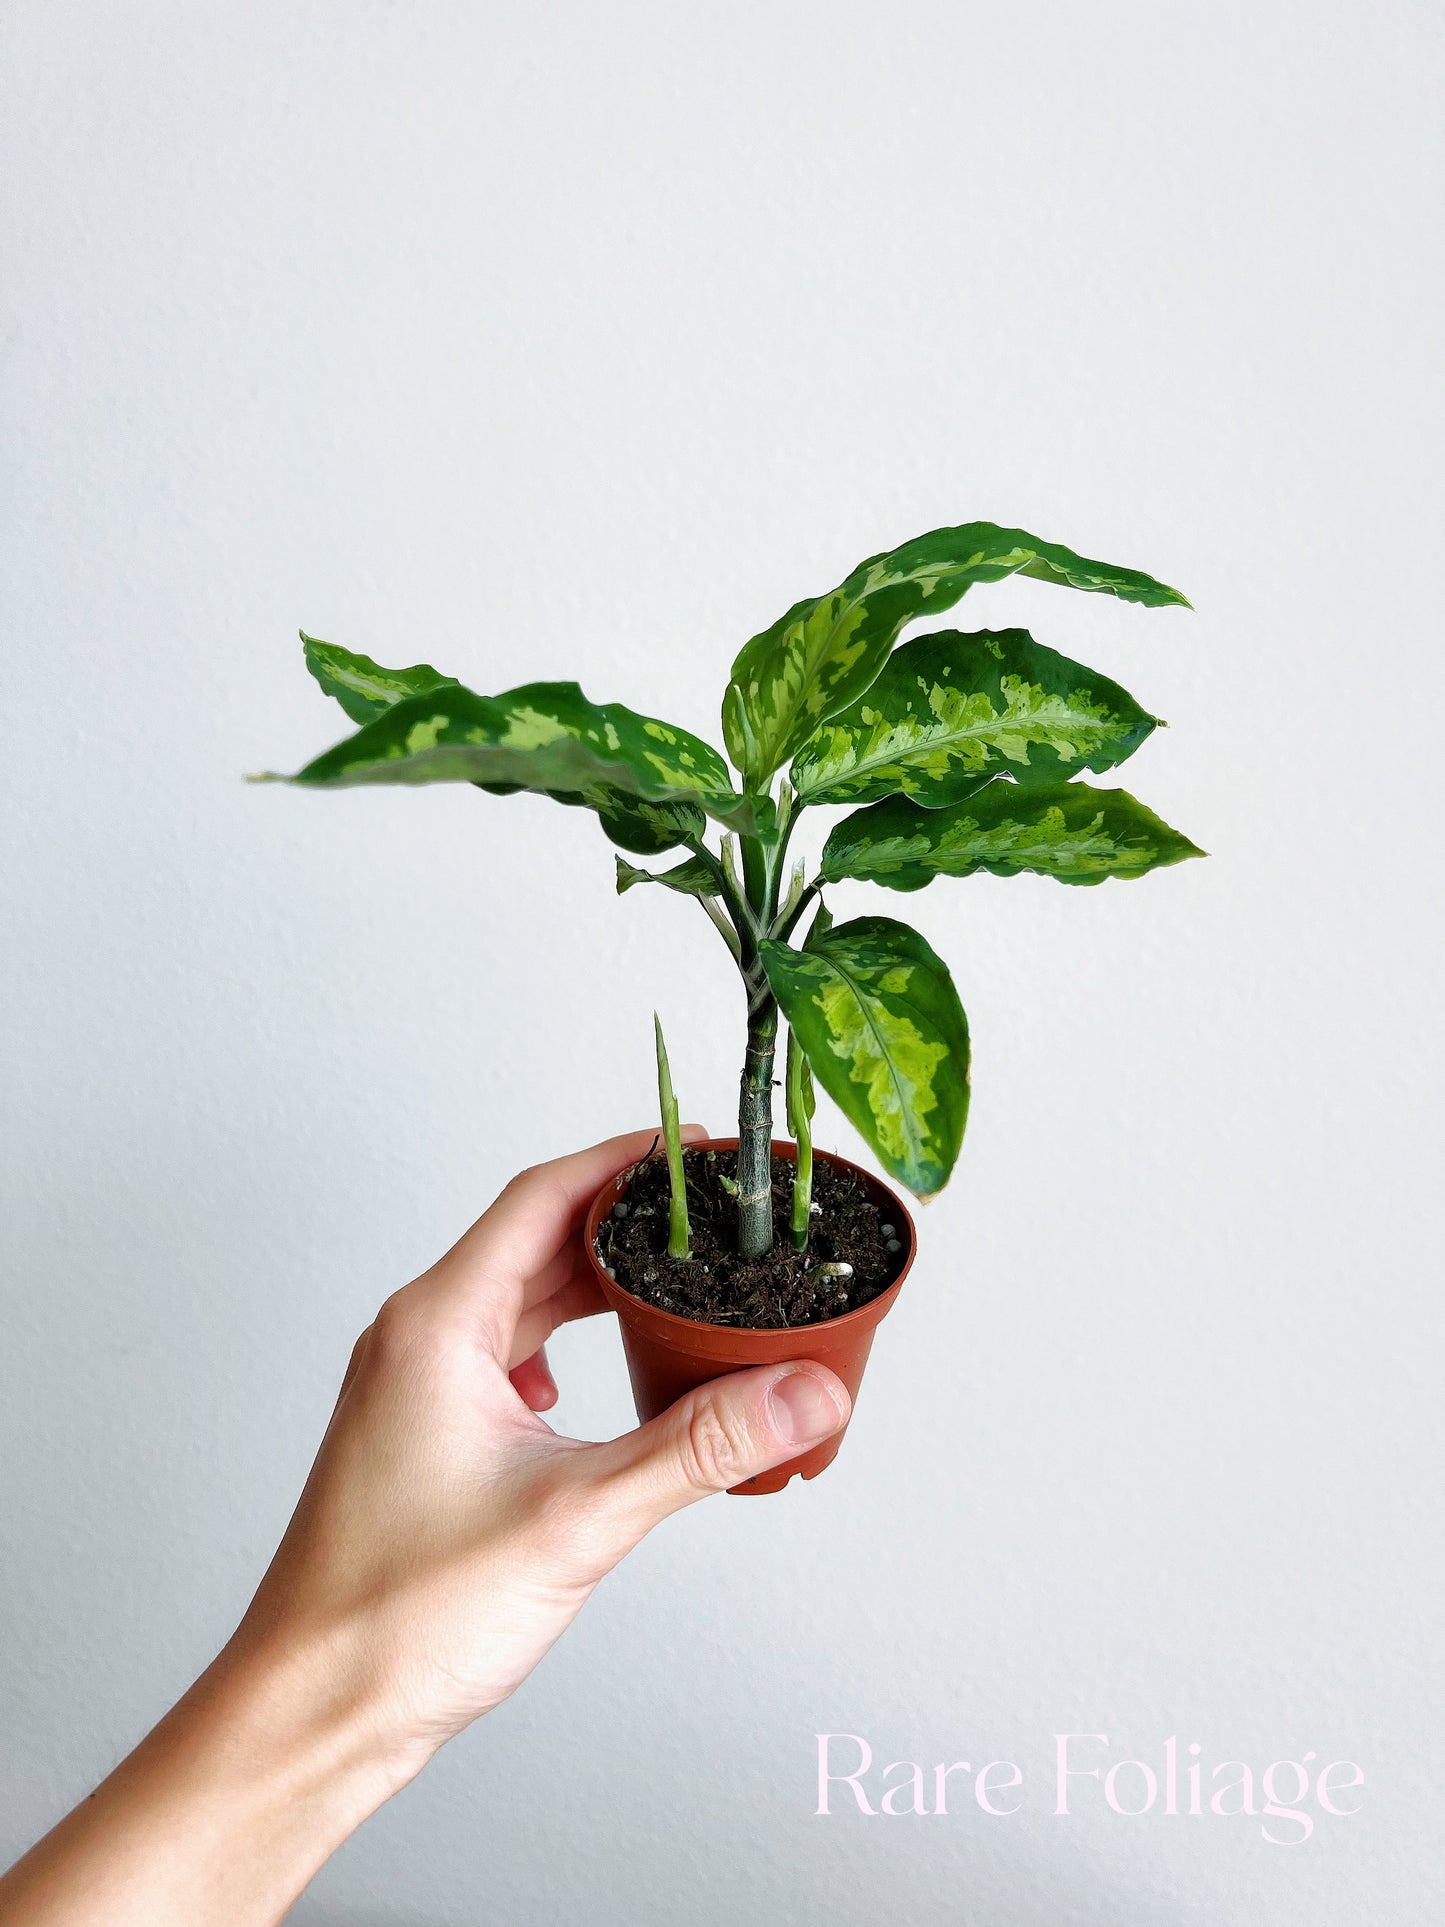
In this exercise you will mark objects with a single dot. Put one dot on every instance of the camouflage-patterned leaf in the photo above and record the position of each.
(692, 877)
(824, 653)
(1068, 831)
(948, 711)
(878, 1017)
(363, 688)
(546, 737)
(646, 829)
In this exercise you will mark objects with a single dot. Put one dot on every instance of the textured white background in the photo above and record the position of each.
(553, 340)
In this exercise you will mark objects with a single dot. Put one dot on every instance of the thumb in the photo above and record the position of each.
(717, 1436)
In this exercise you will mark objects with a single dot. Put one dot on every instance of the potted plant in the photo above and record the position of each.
(954, 753)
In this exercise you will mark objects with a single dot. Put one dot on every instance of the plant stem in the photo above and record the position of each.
(776, 854)
(762, 866)
(679, 1240)
(755, 1135)
(800, 1122)
(718, 917)
(791, 897)
(755, 874)
(733, 894)
(788, 922)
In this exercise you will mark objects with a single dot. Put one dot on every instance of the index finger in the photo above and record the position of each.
(488, 1268)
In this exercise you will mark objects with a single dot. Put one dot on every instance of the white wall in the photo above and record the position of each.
(553, 340)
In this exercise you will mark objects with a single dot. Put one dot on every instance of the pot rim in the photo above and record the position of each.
(671, 1327)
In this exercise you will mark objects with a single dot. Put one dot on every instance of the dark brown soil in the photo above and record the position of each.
(714, 1285)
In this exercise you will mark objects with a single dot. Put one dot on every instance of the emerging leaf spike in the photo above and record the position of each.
(679, 1240)
(801, 1104)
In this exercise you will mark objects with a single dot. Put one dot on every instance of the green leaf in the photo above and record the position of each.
(1068, 831)
(949, 711)
(876, 1012)
(363, 688)
(824, 653)
(648, 780)
(692, 877)
(647, 829)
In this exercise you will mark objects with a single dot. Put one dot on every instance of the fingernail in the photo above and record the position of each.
(803, 1409)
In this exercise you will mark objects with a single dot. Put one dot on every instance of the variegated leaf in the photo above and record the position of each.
(1069, 831)
(363, 688)
(878, 1017)
(948, 711)
(646, 829)
(692, 878)
(825, 652)
(647, 779)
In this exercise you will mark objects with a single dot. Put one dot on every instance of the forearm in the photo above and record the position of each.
(224, 1812)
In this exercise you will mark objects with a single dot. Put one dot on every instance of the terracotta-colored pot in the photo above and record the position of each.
(668, 1355)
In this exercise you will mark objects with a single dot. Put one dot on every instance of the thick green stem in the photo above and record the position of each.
(755, 1135)
(738, 912)
(761, 870)
(755, 875)
(787, 820)
(800, 1123)
(679, 1240)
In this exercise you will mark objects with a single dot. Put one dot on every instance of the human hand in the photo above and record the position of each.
(444, 1539)
(447, 1534)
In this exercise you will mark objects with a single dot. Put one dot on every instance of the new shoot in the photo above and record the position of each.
(801, 1104)
(679, 1236)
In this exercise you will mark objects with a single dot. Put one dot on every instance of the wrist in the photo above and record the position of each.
(305, 1719)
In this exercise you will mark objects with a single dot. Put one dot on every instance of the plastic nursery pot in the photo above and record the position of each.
(668, 1355)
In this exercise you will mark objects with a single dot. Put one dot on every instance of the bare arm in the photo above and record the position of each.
(445, 1538)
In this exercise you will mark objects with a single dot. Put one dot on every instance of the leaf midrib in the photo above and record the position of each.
(669, 796)
(866, 764)
(1032, 857)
